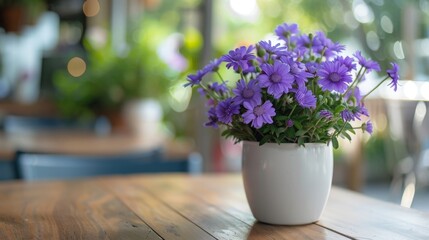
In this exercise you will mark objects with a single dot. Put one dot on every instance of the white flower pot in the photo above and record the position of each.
(286, 184)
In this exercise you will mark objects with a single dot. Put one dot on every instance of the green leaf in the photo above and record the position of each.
(335, 143)
(264, 140)
(300, 133)
(339, 108)
(281, 118)
(297, 124)
(301, 141)
(345, 134)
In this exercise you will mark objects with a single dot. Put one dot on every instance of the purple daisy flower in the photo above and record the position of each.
(297, 70)
(218, 88)
(194, 79)
(305, 98)
(258, 114)
(270, 49)
(202, 92)
(347, 116)
(250, 92)
(347, 61)
(286, 32)
(393, 74)
(250, 69)
(289, 123)
(358, 112)
(368, 64)
(324, 45)
(334, 76)
(226, 109)
(213, 66)
(354, 96)
(325, 114)
(239, 58)
(276, 78)
(368, 127)
(312, 68)
(213, 119)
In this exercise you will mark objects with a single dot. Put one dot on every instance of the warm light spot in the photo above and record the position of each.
(91, 8)
(76, 66)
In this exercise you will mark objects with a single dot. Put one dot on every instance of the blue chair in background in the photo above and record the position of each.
(7, 170)
(41, 166)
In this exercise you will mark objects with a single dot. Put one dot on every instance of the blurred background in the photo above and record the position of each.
(106, 77)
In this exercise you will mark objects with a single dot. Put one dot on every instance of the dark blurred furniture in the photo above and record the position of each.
(16, 124)
(7, 170)
(42, 166)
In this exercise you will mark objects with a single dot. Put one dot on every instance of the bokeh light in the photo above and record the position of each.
(76, 67)
(91, 8)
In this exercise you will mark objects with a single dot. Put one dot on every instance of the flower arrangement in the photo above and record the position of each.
(297, 90)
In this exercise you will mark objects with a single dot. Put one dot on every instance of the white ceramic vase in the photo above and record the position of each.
(287, 184)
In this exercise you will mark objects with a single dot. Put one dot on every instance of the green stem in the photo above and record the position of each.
(293, 109)
(338, 133)
(209, 92)
(358, 77)
(315, 127)
(378, 85)
(220, 76)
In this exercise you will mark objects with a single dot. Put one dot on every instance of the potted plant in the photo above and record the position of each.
(289, 101)
(113, 83)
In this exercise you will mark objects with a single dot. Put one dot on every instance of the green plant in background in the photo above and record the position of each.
(111, 80)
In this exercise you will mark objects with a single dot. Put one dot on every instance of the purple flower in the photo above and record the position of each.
(250, 69)
(324, 46)
(347, 61)
(368, 64)
(334, 76)
(270, 49)
(258, 114)
(289, 123)
(358, 111)
(297, 70)
(218, 88)
(325, 114)
(276, 78)
(312, 67)
(354, 96)
(393, 74)
(347, 116)
(286, 32)
(368, 127)
(194, 79)
(305, 98)
(250, 92)
(226, 109)
(213, 66)
(239, 58)
(213, 119)
(202, 92)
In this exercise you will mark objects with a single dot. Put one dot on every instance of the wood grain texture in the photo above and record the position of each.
(366, 218)
(66, 210)
(174, 206)
(212, 207)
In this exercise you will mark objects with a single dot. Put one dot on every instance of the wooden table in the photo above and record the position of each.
(183, 207)
(85, 143)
